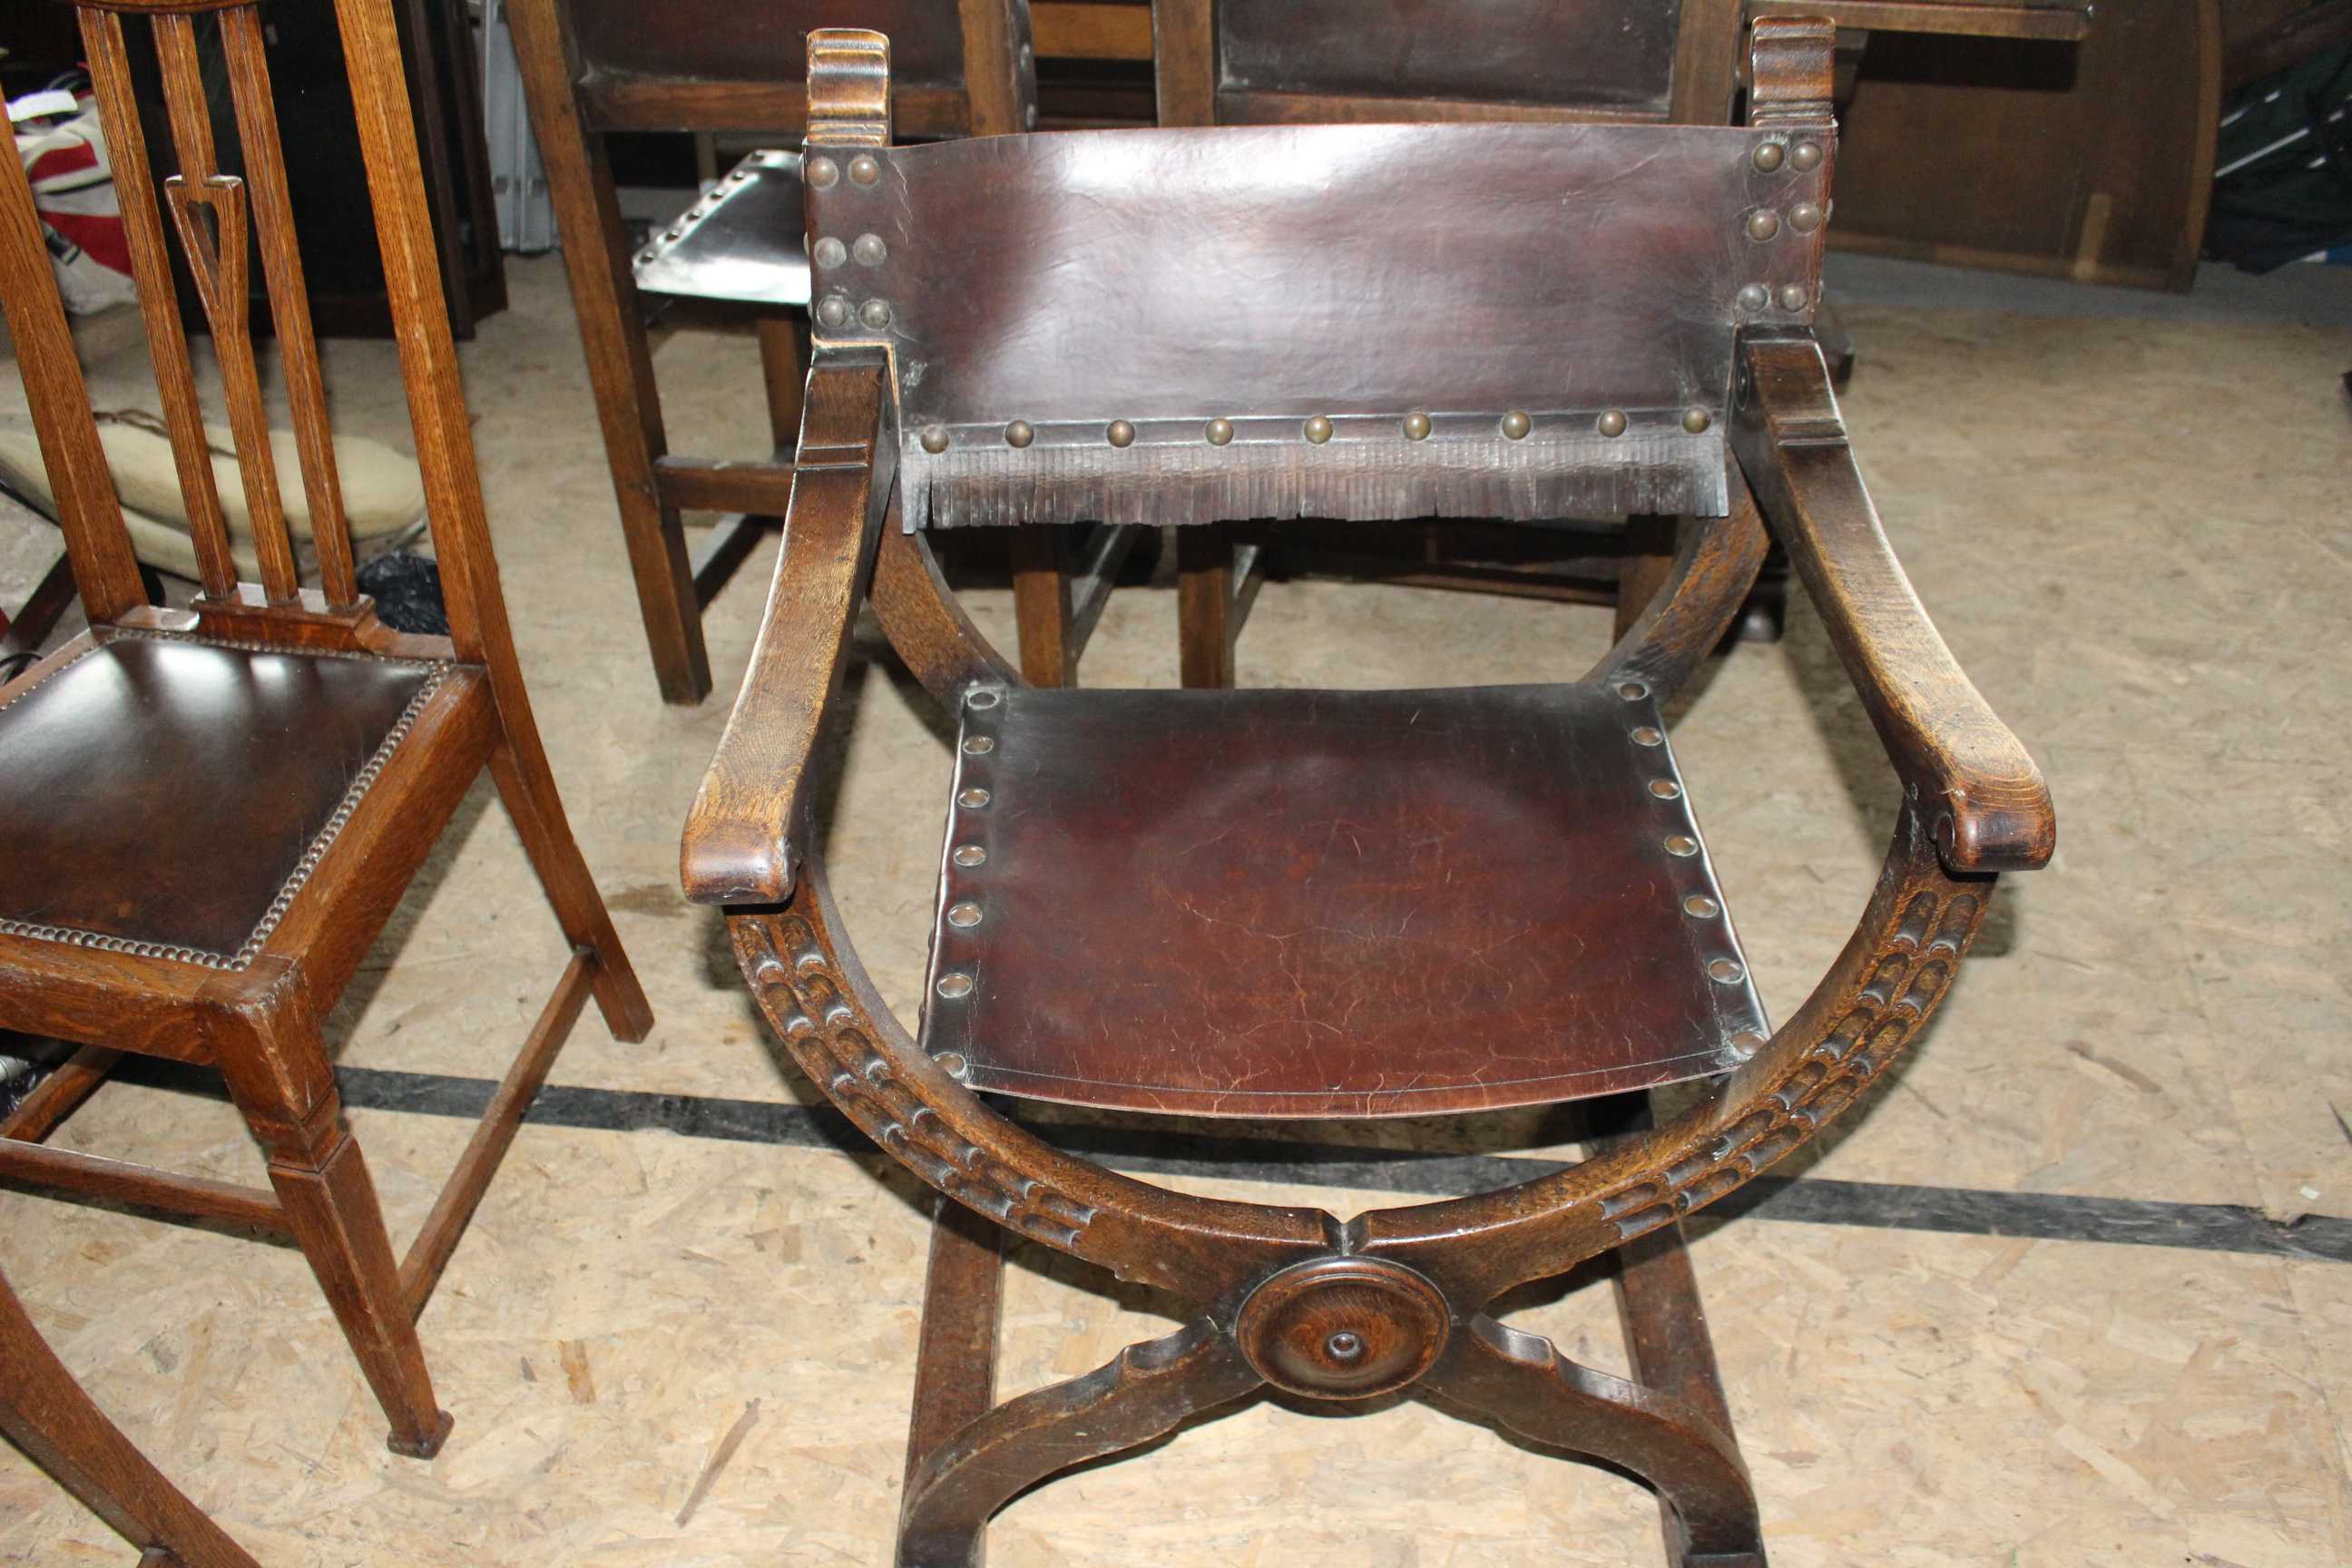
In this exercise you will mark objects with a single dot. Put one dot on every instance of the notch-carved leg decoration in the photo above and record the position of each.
(1150, 1390)
(1521, 1381)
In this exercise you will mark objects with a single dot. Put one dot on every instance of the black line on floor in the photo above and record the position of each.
(1806, 1200)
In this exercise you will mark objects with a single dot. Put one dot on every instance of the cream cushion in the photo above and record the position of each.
(383, 493)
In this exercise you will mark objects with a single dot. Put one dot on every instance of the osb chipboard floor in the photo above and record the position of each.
(2131, 532)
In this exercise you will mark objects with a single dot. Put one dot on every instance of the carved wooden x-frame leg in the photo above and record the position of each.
(1336, 1328)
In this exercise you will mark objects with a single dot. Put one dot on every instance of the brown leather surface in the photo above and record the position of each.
(1326, 903)
(161, 791)
(728, 40)
(1589, 54)
(1269, 276)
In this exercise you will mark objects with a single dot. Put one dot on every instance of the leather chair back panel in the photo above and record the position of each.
(1558, 301)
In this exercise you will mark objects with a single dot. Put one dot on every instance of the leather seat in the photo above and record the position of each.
(1329, 903)
(126, 772)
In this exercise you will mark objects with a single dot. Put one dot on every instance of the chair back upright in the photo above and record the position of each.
(1344, 322)
(1224, 62)
(220, 221)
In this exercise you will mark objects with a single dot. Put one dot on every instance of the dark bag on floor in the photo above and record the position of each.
(2283, 176)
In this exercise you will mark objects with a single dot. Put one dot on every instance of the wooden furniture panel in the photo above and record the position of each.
(2092, 160)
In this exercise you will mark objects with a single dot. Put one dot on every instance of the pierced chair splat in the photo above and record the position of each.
(1322, 903)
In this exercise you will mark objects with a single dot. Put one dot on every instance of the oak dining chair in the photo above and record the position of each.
(209, 814)
(595, 68)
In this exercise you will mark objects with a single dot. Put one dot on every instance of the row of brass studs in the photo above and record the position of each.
(1516, 425)
(965, 913)
(1682, 846)
(1763, 224)
(833, 312)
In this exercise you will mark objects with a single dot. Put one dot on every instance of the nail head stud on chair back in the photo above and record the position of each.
(1315, 904)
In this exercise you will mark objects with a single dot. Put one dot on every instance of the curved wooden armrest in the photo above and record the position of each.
(1985, 796)
(738, 847)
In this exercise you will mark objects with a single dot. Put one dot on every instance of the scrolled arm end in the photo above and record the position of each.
(2012, 827)
(735, 858)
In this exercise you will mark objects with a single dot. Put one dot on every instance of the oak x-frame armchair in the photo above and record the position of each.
(1335, 903)
(209, 814)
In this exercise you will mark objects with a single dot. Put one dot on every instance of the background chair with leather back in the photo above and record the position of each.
(207, 815)
(1296, 904)
(595, 67)
(1238, 62)
(1276, 61)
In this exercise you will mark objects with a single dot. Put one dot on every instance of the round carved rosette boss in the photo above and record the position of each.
(1342, 1328)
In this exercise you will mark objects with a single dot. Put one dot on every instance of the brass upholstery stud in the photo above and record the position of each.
(865, 168)
(1665, 789)
(1754, 297)
(1649, 735)
(1700, 907)
(875, 313)
(1416, 425)
(1120, 434)
(1515, 424)
(1218, 431)
(674, 231)
(1763, 224)
(955, 984)
(950, 1062)
(1633, 691)
(983, 698)
(1681, 844)
(1794, 297)
(1745, 1044)
(1770, 157)
(821, 173)
(979, 745)
(966, 915)
(974, 798)
(830, 252)
(1317, 430)
(1019, 434)
(1697, 420)
(935, 438)
(832, 310)
(1805, 217)
(869, 250)
(1724, 970)
(971, 855)
(1612, 424)
(1805, 157)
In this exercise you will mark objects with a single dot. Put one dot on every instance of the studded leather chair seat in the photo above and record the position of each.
(1329, 903)
(225, 745)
